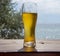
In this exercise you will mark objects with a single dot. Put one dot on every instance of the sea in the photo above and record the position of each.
(47, 31)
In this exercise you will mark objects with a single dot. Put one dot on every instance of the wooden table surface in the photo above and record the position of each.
(44, 48)
(41, 45)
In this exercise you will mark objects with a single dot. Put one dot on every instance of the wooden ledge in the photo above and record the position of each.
(41, 45)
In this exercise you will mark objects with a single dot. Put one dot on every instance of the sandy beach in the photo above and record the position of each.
(41, 45)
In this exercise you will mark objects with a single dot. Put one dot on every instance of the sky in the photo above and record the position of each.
(48, 10)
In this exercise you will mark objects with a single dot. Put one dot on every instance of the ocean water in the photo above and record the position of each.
(47, 31)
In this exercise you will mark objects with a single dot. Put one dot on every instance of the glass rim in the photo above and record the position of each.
(32, 5)
(29, 3)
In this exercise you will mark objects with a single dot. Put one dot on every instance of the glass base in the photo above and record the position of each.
(29, 44)
(29, 49)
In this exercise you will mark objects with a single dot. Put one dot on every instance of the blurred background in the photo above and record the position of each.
(48, 20)
(11, 26)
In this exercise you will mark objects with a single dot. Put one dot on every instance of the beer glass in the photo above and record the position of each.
(29, 17)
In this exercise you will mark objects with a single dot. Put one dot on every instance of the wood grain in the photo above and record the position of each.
(41, 45)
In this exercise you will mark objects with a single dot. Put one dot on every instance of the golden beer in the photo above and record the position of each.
(29, 21)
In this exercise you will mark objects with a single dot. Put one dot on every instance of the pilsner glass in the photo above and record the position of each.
(29, 16)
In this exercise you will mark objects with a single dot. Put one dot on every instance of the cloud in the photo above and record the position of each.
(48, 10)
(46, 6)
(49, 6)
(31, 0)
(15, 0)
(27, 0)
